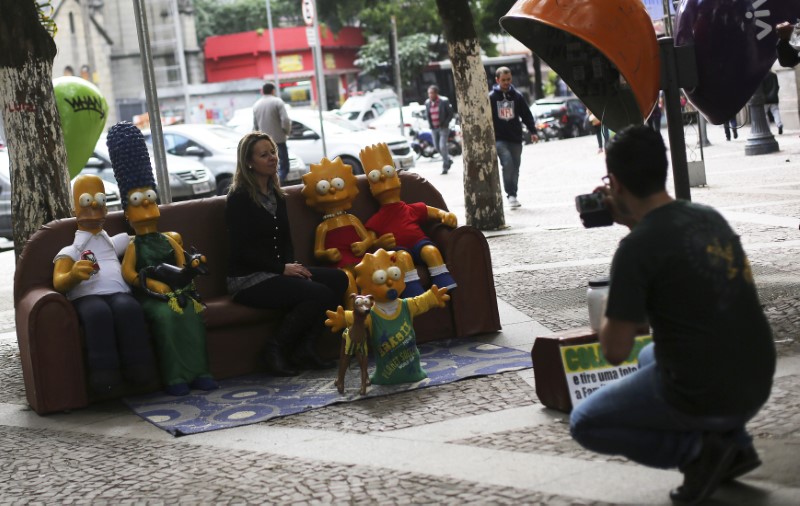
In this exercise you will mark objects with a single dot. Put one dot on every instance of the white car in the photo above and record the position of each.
(187, 178)
(343, 138)
(413, 119)
(215, 147)
(367, 107)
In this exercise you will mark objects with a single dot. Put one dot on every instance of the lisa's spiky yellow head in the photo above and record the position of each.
(381, 174)
(379, 274)
(330, 186)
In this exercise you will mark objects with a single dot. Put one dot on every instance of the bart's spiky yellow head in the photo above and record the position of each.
(381, 174)
(330, 186)
(379, 274)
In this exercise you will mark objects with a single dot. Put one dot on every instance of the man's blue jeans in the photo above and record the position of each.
(510, 154)
(283, 161)
(630, 417)
(440, 136)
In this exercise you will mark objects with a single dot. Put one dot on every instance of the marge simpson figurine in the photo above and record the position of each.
(390, 320)
(179, 332)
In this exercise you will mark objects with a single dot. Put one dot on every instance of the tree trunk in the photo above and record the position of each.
(482, 196)
(40, 189)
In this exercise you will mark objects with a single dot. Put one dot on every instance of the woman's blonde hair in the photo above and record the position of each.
(244, 178)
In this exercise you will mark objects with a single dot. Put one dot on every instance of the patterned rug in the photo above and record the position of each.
(257, 398)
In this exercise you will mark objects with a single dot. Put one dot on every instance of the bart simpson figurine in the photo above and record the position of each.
(89, 273)
(179, 333)
(341, 239)
(390, 320)
(397, 224)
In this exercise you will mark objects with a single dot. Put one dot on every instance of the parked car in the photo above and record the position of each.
(344, 139)
(215, 147)
(413, 119)
(113, 201)
(367, 107)
(187, 178)
(569, 112)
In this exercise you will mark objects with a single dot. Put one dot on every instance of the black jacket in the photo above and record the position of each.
(257, 240)
(770, 87)
(446, 112)
(510, 129)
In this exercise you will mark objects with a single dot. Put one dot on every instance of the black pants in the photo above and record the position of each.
(116, 334)
(305, 300)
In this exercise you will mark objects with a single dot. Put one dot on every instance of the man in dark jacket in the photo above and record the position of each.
(440, 113)
(770, 87)
(509, 111)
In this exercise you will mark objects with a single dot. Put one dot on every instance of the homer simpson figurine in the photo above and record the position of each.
(89, 273)
(391, 319)
(397, 224)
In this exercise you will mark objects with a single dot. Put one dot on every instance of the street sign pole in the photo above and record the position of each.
(309, 8)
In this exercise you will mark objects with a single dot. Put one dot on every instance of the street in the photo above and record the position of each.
(479, 441)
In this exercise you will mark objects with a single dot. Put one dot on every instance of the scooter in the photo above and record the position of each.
(548, 128)
(422, 144)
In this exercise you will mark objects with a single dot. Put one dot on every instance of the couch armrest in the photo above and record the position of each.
(467, 255)
(48, 334)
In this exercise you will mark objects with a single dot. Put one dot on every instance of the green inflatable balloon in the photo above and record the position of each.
(83, 111)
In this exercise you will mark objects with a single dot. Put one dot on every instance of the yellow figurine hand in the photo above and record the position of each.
(333, 255)
(82, 270)
(440, 294)
(336, 319)
(158, 286)
(449, 219)
(360, 247)
(386, 241)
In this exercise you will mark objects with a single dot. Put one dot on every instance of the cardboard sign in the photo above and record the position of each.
(586, 369)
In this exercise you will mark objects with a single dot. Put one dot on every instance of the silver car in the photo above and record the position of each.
(113, 201)
(187, 178)
(215, 147)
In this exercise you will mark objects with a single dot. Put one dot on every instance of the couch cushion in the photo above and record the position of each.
(223, 312)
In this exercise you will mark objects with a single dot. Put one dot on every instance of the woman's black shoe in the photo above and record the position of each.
(276, 365)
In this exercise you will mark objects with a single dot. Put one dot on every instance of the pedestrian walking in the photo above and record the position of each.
(770, 88)
(710, 366)
(731, 126)
(440, 112)
(270, 117)
(654, 120)
(509, 111)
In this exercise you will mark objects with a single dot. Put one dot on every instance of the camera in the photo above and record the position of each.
(593, 210)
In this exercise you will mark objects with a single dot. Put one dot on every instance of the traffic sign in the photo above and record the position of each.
(308, 12)
(311, 36)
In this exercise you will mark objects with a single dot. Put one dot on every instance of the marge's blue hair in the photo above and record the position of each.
(129, 159)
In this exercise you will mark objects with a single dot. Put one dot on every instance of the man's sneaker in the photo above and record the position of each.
(780, 130)
(513, 202)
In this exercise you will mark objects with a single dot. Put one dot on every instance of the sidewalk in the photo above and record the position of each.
(480, 441)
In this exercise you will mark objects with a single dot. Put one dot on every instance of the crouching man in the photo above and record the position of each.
(710, 366)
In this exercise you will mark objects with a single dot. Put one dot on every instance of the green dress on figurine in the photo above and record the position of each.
(180, 337)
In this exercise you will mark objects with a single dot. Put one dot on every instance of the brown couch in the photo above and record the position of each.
(49, 335)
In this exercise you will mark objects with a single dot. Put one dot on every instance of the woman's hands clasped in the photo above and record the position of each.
(296, 270)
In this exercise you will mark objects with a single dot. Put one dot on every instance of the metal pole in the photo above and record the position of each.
(761, 140)
(322, 92)
(272, 49)
(153, 110)
(672, 103)
(181, 59)
(322, 102)
(397, 78)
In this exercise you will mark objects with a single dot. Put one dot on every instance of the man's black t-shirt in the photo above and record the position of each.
(683, 268)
